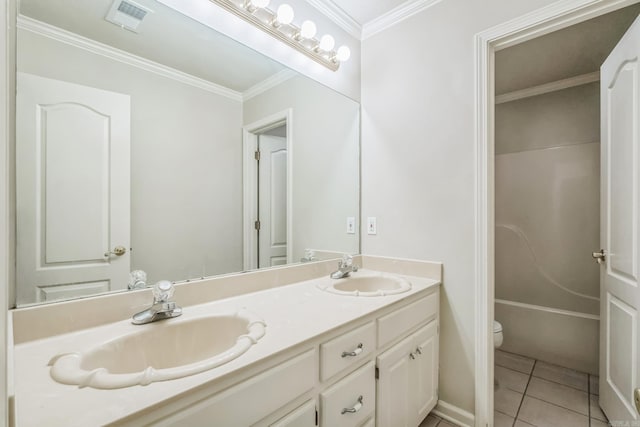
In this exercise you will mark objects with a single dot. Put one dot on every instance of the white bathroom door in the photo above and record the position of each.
(72, 189)
(272, 201)
(620, 230)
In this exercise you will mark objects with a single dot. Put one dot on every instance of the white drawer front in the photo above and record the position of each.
(395, 324)
(345, 394)
(369, 423)
(250, 401)
(302, 416)
(346, 350)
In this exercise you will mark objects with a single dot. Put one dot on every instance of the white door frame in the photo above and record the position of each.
(7, 124)
(556, 16)
(249, 180)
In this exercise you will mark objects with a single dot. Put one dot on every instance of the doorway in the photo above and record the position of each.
(488, 43)
(267, 170)
(547, 221)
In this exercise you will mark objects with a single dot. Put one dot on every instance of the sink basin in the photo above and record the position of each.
(161, 351)
(367, 285)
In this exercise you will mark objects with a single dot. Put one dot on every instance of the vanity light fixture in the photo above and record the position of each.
(280, 25)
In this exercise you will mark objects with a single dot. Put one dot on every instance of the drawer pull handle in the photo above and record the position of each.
(355, 408)
(412, 356)
(353, 353)
(419, 350)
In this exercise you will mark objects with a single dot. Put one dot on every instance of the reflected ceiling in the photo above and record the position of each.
(163, 36)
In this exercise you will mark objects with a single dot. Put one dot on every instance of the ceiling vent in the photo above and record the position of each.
(127, 14)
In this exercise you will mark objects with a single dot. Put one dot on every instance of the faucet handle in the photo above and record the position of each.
(347, 260)
(163, 291)
(137, 280)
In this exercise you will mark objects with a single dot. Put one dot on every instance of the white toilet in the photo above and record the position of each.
(497, 334)
(497, 342)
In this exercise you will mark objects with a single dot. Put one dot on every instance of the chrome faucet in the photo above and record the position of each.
(162, 308)
(345, 267)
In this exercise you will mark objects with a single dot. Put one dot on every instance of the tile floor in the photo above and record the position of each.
(535, 393)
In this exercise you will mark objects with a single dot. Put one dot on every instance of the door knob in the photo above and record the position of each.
(117, 251)
(600, 257)
(636, 398)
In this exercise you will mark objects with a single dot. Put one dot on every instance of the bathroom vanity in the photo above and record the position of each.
(325, 359)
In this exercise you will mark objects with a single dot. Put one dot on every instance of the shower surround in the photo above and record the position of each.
(547, 213)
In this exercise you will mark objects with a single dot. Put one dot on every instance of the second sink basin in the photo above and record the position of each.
(367, 284)
(161, 351)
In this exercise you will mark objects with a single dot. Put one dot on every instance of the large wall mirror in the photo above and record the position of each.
(136, 150)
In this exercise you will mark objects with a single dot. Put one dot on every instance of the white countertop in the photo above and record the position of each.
(293, 314)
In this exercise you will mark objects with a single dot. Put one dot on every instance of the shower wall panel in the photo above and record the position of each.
(547, 224)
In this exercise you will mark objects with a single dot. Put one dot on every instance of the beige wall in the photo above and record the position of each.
(418, 165)
(325, 161)
(186, 161)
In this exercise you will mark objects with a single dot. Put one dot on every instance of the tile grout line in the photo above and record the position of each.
(558, 406)
(524, 393)
(564, 384)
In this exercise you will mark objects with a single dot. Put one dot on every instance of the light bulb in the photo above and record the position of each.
(326, 43)
(343, 54)
(260, 3)
(308, 29)
(284, 14)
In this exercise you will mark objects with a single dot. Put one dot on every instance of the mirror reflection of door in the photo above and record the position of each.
(272, 198)
(72, 189)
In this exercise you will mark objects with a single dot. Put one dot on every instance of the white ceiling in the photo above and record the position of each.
(188, 46)
(570, 52)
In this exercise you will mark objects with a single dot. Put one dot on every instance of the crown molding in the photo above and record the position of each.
(268, 83)
(67, 37)
(338, 16)
(396, 15)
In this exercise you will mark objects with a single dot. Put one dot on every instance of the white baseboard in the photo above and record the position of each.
(454, 414)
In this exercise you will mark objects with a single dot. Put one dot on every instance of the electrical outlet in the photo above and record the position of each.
(372, 227)
(351, 225)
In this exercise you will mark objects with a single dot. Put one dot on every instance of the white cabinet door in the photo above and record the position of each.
(620, 230)
(408, 379)
(72, 189)
(425, 376)
(394, 386)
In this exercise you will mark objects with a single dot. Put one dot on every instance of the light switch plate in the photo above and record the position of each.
(351, 225)
(372, 227)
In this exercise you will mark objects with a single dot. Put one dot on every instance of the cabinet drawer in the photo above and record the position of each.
(302, 416)
(250, 401)
(395, 324)
(346, 350)
(345, 395)
(369, 423)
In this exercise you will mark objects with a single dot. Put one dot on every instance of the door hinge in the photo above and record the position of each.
(256, 155)
(257, 225)
(377, 373)
(316, 416)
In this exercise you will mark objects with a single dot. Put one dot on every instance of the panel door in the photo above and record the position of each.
(394, 397)
(72, 189)
(272, 201)
(620, 206)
